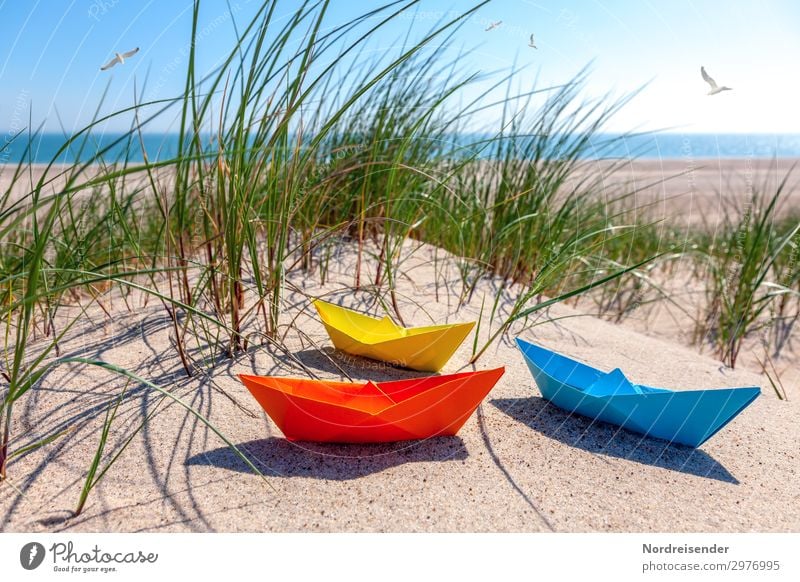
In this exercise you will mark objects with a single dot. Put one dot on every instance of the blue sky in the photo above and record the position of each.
(53, 50)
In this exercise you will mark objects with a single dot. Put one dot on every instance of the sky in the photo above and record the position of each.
(52, 51)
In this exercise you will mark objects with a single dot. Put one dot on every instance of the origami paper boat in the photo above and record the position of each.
(420, 348)
(365, 412)
(688, 417)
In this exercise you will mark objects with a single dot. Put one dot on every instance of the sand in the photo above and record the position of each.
(686, 191)
(695, 193)
(519, 464)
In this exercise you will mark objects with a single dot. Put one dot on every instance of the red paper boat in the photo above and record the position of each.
(361, 412)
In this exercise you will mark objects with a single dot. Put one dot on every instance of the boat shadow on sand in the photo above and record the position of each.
(338, 462)
(338, 363)
(606, 439)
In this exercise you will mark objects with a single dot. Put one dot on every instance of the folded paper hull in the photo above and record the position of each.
(687, 417)
(426, 349)
(418, 408)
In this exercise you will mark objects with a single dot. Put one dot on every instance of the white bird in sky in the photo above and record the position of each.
(494, 25)
(532, 44)
(714, 87)
(119, 58)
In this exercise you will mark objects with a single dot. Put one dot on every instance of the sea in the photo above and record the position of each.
(50, 147)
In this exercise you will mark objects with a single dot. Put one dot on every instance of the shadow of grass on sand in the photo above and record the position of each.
(333, 361)
(606, 439)
(337, 462)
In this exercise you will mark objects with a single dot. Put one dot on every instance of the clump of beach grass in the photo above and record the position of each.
(749, 271)
(272, 169)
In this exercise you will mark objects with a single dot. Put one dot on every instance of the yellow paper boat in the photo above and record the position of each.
(420, 348)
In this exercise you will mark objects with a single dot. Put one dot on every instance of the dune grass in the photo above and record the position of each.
(751, 265)
(298, 142)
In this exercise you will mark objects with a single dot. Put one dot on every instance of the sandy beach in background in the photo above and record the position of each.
(689, 192)
(696, 192)
(519, 464)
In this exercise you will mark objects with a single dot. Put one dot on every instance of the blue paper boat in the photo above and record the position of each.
(687, 417)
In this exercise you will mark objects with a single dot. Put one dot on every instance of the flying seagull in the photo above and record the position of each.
(494, 25)
(119, 58)
(714, 88)
(532, 44)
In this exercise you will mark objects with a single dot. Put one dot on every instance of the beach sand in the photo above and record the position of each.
(519, 463)
(696, 193)
(688, 191)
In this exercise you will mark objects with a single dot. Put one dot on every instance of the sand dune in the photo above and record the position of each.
(518, 465)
